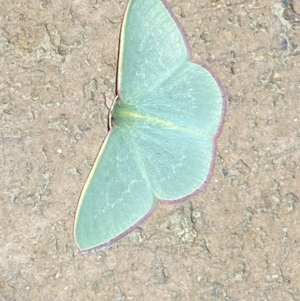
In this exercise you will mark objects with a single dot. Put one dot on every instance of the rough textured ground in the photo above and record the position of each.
(238, 240)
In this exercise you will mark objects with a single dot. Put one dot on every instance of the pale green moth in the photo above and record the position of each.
(165, 122)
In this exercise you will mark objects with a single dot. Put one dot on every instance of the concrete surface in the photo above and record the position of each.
(238, 240)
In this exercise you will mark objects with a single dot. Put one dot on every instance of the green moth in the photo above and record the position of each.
(164, 125)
